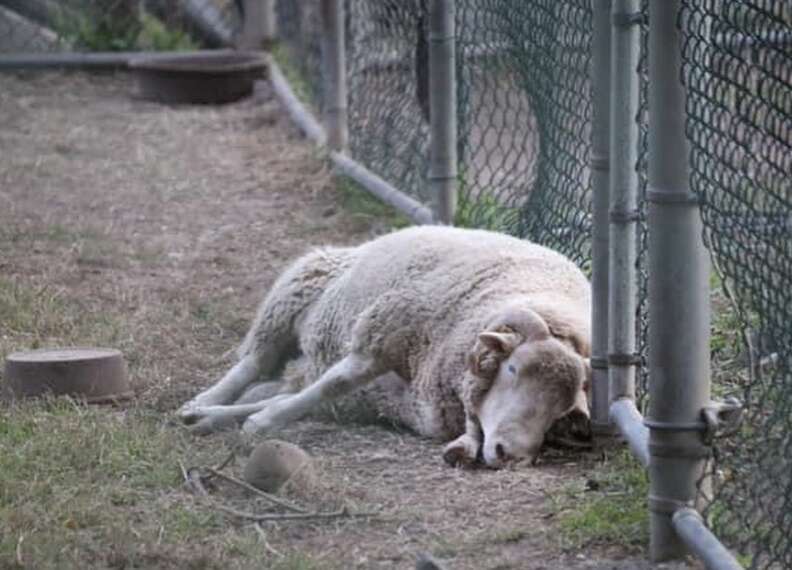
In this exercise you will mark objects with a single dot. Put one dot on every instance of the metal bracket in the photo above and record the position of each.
(721, 418)
(680, 451)
(674, 426)
(626, 19)
(666, 506)
(618, 359)
(624, 216)
(598, 363)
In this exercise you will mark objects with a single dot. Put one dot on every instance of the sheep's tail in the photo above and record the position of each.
(273, 336)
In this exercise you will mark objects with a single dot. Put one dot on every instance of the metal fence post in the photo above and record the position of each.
(252, 34)
(624, 214)
(442, 103)
(334, 69)
(269, 24)
(679, 314)
(600, 172)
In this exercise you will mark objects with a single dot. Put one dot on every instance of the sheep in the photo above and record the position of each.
(470, 337)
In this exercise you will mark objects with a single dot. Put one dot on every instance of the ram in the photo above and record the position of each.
(467, 336)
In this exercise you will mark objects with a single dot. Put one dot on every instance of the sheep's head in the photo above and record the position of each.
(528, 371)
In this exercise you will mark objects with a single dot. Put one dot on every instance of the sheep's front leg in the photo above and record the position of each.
(464, 450)
(347, 374)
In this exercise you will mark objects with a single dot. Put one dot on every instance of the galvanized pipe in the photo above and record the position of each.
(345, 166)
(304, 119)
(630, 423)
(39, 61)
(88, 61)
(334, 71)
(258, 25)
(679, 313)
(443, 114)
(600, 174)
(623, 280)
(269, 23)
(694, 533)
(417, 212)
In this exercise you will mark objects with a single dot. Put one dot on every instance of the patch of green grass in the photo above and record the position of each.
(613, 511)
(56, 233)
(80, 482)
(155, 35)
(35, 315)
(298, 561)
(506, 536)
(113, 25)
(296, 79)
(363, 205)
(484, 212)
(444, 548)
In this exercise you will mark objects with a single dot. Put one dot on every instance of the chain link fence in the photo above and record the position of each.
(524, 124)
(524, 111)
(525, 120)
(48, 26)
(642, 168)
(524, 130)
(388, 76)
(299, 31)
(737, 68)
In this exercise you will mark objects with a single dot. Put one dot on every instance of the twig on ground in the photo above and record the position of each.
(226, 461)
(193, 480)
(19, 560)
(259, 492)
(343, 513)
(263, 537)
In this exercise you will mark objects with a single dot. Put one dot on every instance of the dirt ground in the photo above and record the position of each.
(167, 225)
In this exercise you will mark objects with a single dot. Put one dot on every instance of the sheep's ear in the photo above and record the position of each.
(504, 343)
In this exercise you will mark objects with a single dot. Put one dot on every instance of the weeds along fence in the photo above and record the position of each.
(49, 33)
(649, 140)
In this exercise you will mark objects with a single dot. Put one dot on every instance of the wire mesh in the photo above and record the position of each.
(642, 168)
(738, 73)
(525, 120)
(299, 28)
(43, 26)
(524, 107)
(388, 74)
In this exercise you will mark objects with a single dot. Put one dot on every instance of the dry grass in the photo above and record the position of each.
(156, 230)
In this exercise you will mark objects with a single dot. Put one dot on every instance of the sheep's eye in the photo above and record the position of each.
(511, 369)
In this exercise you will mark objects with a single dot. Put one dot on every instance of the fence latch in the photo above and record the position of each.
(721, 418)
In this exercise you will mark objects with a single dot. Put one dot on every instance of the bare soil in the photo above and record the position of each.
(171, 222)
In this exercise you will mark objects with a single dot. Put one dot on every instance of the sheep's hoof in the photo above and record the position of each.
(192, 411)
(253, 427)
(188, 413)
(462, 452)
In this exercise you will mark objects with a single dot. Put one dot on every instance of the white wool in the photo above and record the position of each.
(415, 300)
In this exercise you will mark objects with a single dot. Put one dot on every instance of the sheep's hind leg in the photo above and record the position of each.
(225, 390)
(210, 419)
(347, 374)
(272, 339)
